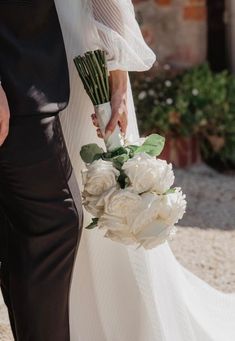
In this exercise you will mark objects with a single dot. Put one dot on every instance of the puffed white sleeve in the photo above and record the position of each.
(119, 35)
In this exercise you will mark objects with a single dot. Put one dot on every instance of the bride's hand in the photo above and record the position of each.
(118, 87)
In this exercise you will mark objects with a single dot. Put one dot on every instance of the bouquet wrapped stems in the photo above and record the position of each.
(93, 71)
(104, 112)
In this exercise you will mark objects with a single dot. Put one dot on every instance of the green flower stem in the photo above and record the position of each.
(96, 77)
(85, 79)
(93, 71)
(93, 80)
(105, 71)
(98, 65)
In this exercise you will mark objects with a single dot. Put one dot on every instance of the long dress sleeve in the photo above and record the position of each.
(120, 35)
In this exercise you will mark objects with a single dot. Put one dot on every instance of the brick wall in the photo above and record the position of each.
(175, 29)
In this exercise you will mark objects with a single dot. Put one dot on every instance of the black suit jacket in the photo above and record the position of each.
(33, 63)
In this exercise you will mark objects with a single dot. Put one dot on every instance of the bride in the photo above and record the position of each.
(117, 293)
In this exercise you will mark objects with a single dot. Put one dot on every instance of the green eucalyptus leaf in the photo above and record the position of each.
(91, 152)
(153, 145)
(93, 224)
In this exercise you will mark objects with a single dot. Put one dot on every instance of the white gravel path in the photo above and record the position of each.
(210, 197)
(210, 254)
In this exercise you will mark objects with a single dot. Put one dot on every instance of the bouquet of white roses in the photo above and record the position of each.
(129, 192)
(127, 189)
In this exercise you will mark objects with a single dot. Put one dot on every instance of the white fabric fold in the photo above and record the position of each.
(109, 25)
(120, 35)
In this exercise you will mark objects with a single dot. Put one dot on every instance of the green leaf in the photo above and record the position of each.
(93, 224)
(153, 145)
(118, 156)
(132, 149)
(91, 152)
(171, 190)
(107, 156)
(119, 151)
(119, 160)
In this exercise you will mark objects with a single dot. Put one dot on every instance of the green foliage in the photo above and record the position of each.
(153, 145)
(91, 152)
(119, 160)
(198, 101)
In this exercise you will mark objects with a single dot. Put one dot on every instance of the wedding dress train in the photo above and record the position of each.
(118, 293)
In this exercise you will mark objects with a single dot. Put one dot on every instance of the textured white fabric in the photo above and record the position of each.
(108, 25)
(117, 293)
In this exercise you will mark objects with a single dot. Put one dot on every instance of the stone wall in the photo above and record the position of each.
(175, 29)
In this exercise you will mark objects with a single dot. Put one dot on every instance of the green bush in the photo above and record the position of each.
(197, 101)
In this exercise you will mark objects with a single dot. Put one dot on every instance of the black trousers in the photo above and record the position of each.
(41, 224)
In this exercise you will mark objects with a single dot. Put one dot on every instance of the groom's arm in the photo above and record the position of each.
(4, 115)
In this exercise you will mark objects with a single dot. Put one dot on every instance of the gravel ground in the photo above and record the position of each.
(210, 254)
(208, 250)
(210, 197)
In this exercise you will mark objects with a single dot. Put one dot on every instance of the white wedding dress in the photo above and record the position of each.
(118, 293)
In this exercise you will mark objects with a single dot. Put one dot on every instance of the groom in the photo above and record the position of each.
(40, 204)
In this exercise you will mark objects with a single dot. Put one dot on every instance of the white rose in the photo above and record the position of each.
(112, 223)
(150, 239)
(146, 212)
(99, 176)
(91, 205)
(173, 206)
(148, 227)
(147, 173)
(118, 203)
(124, 237)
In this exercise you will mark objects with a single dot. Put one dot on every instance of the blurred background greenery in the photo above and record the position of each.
(189, 94)
(196, 103)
